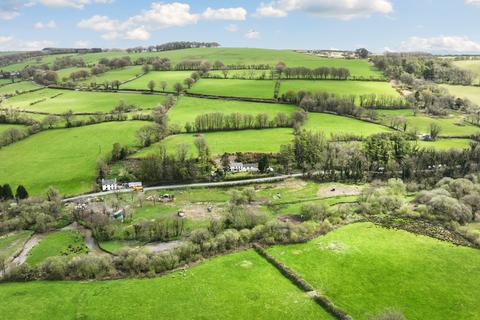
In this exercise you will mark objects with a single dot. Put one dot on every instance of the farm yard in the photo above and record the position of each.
(134, 189)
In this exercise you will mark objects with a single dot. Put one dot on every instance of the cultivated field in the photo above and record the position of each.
(60, 101)
(64, 158)
(367, 269)
(187, 109)
(235, 286)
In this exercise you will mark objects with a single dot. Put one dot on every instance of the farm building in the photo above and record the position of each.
(243, 167)
(109, 184)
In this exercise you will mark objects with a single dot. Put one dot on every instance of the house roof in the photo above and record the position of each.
(109, 181)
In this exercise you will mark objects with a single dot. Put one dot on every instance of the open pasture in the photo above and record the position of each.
(249, 56)
(235, 88)
(331, 124)
(60, 101)
(266, 141)
(366, 269)
(445, 144)
(58, 243)
(469, 65)
(170, 77)
(121, 75)
(18, 87)
(339, 87)
(464, 92)
(234, 286)
(64, 158)
(187, 109)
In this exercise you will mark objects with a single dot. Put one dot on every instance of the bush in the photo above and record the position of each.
(317, 212)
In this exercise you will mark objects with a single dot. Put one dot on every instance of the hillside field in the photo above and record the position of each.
(121, 75)
(64, 158)
(331, 124)
(266, 140)
(171, 77)
(366, 269)
(234, 286)
(187, 109)
(469, 92)
(469, 65)
(235, 88)
(18, 87)
(60, 101)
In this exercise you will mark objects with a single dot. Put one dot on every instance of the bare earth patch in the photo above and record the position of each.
(333, 190)
(199, 211)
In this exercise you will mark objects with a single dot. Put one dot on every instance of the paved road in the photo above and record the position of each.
(192, 185)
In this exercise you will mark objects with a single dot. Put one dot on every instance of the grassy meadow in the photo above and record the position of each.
(18, 87)
(59, 101)
(469, 92)
(235, 88)
(331, 124)
(234, 286)
(64, 158)
(171, 77)
(339, 87)
(445, 144)
(366, 269)
(58, 243)
(121, 75)
(266, 140)
(12, 244)
(469, 65)
(4, 127)
(187, 109)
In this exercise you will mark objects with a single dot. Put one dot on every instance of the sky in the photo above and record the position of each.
(438, 26)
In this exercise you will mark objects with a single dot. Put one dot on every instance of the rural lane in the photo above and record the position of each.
(191, 185)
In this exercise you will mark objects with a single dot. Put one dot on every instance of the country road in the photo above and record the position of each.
(192, 185)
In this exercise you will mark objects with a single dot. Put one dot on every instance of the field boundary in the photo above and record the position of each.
(301, 283)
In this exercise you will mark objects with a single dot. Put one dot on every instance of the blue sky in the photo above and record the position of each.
(407, 25)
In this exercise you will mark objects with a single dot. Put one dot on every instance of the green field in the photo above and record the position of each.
(450, 126)
(187, 109)
(121, 75)
(4, 127)
(470, 65)
(234, 286)
(331, 124)
(266, 141)
(59, 101)
(235, 88)
(445, 144)
(65, 73)
(171, 77)
(468, 92)
(251, 74)
(366, 269)
(64, 158)
(341, 88)
(18, 87)
(59, 243)
(249, 56)
(47, 59)
(12, 244)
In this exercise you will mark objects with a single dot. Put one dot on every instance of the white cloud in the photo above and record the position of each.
(225, 14)
(340, 9)
(4, 40)
(252, 34)
(48, 25)
(82, 44)
(440, 44)
(231, 28)
(165, 15)
(473, 2)
(10, 9)
(138, 34)
(77, 4)
(269, 10)
(100, 24)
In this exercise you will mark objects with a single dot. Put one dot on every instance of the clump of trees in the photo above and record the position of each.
(421, 65)
(321, 73)
(218, 121)
(67, 62)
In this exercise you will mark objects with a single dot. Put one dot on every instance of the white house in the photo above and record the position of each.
(241, 167)
(109, 184)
